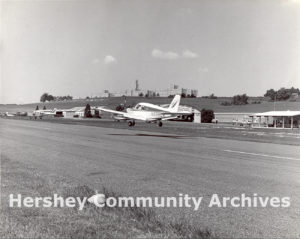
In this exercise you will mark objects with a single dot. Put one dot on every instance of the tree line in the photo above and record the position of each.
(282, 93)
(48, 97)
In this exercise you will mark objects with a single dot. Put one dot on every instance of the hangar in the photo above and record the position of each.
(276, 119)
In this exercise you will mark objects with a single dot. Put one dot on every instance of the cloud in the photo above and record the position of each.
(170, 55)
(203, 69)
(164, 55)
(189, 54)
(109, 59)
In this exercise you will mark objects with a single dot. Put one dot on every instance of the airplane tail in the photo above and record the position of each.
(173, 107)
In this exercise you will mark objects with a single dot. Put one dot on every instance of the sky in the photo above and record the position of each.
(81, 48)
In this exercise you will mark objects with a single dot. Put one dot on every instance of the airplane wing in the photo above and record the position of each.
(159, 118)
(169, 118)
(112, 111)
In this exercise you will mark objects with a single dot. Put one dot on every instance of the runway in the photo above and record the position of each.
(157, 164)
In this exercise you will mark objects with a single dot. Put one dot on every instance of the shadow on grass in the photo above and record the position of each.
(155, 135)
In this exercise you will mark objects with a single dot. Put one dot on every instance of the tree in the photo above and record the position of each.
(87, 111)
(270, 93)
(141, 94)
(50, 97)
(282, 93)
(44, 108)
(207, 115)
(212, 96)
(37, 107)
(183, 95)
(240, 99)
(44, 97)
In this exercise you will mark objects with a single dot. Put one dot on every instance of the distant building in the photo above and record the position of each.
(173, 90)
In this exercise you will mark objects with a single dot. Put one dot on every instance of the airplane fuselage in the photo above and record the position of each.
(145, 114)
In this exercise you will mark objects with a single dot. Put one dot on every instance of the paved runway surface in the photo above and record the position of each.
(138, 163)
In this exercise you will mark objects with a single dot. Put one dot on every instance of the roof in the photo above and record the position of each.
(77, 109)
(278, 113)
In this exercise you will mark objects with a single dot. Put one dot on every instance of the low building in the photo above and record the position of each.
(276, 119)
(232, 117)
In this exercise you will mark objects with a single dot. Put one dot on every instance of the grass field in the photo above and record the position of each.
(198, 103)
(91, 222)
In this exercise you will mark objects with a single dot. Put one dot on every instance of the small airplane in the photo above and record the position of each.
(9, 114)
(42, 113)
(149, 113)
(241, 122)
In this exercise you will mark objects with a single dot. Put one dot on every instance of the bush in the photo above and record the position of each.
(211, 96)
(87, 111)
(225, 103)
(120, 107)
(207, 116)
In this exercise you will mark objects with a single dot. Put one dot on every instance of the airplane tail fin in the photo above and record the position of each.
(173, 107)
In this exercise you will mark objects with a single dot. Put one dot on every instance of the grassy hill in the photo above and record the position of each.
(197, 103)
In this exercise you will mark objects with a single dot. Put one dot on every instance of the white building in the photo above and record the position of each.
(276, 119)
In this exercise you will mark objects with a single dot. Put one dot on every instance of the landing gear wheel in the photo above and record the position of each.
(160, 124)
(131, 123)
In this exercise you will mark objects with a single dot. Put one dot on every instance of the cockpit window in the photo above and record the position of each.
(139, 107)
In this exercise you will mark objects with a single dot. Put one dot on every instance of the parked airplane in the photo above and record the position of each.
(242, 122)
(9, 114)
(42, 113)
(149, 113)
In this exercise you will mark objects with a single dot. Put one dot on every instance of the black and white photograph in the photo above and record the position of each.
(150, 119)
